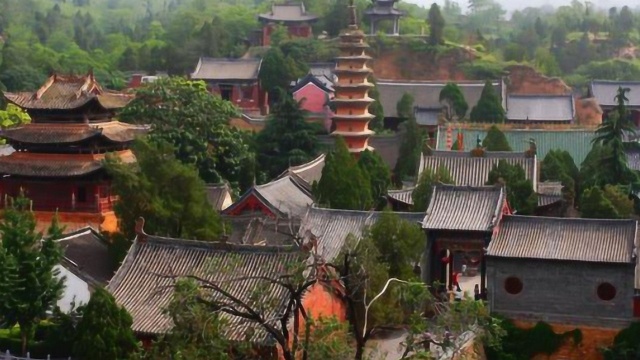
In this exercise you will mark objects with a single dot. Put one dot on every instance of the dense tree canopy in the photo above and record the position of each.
(436, 25)
(455, 104)
(149, 189)
(489, 108)
(343, 185)
(400, 243)
(288, 139)
(520, 193)
(30, 285)
(495, 140)
(183, 113)
(104, 332)
(374, 167)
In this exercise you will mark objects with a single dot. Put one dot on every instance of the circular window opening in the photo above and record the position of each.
(606, 291)
(513, 285)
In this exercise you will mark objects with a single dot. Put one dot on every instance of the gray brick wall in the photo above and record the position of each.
(561, 291)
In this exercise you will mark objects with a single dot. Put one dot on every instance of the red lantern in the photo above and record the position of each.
(445, 260)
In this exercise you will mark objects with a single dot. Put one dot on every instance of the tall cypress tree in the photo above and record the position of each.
(343, 184)
(489, 108)
(495, 140)
(28, 269)
(378, 173)
(436, 25)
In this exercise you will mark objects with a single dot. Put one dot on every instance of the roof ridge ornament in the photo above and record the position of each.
(141, 236)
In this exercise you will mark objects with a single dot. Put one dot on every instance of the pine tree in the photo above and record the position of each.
(287, 139)
(27, 270)
(377, 124)
(436, 25)
(520, 192)
(423, 191)
(378, 173)
(495, 140)
(104, 332)
(343, 184)
(455, 105)
(595, 205)
(489, 108)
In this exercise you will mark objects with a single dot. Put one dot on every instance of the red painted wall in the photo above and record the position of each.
(313, 98)
(57, 195)
(245, 100)
(294, 30)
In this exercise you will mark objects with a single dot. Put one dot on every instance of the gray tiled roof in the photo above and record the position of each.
(387, 146)
(285, 196)
(540, 108)
(227, 69)
(591, 240)
(288, 12)
(426, 94)
(474, 171)
(142, 285)
(633, 158)
(261, 230)
(605, 92)
(427, 116)
(331, 227)
(464, 208)
(544, 200)
(404, 196)
(217, 194)
(309, 172)
(86, 254)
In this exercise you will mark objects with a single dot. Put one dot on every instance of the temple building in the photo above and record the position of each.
(383, 10)
(58, 158)
(293, 16)
(351, 118)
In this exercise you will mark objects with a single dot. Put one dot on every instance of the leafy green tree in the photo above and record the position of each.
(404, 107)
(436, 25)
(422, 193)
(489, 108)
(287, 139)
(400, 244)
(29, 280)
(377, 124)
(337, 18)
(184, 114)
(520, 192)
(278, 71)
(625, 345)
(197, 334)
(410, 151)
(594, 204)
(495, 140)
(455, 105)
(148, 189)
(554, 167)
(612, 167)
(343, 184)
(378, 173)
(619, 198)
(104, 332)
(13, 116)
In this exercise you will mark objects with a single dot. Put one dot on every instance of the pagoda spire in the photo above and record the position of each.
(352, 87)
(353, 19)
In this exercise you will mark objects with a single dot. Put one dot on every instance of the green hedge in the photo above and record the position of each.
(523, 344)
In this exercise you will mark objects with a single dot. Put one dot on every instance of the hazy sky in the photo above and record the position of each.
(511, 5)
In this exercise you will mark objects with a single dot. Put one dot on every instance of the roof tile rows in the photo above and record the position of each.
(464, 208)
(227, 69)
(590, 240)
(309, 172)
(605, 92)
(576, 142)
(68, 92)
(554, 108)
(331, 227)
(288, 12)
(144, 287)
(466, 169)
(286, 196)
(86, 255)
(404, 196)
(55, 165)
(70, 133)
(426, 94)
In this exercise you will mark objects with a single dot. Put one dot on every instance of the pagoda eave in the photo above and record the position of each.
(353, 71)
(353, 117)
(353, 46)
(355, 57)
(338, 86)
(366, 133)
(353, 101)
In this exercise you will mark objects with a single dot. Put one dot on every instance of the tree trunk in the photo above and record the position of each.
(359, 349)
(23, 338)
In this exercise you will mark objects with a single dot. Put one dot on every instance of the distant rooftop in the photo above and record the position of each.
(227, 69)
(540, 108)
(605, 92)
(288, 12)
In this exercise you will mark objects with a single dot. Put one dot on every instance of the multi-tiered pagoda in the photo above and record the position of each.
(351, 119)
(58, 158)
